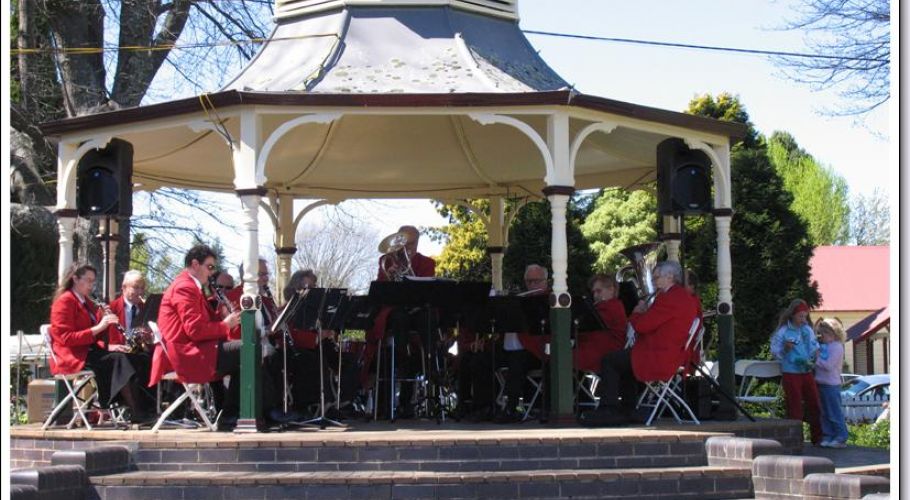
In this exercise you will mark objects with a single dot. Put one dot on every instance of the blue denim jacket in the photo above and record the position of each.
(800, 359)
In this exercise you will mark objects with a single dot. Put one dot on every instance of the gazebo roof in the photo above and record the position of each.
(396, 49)
(394, 99)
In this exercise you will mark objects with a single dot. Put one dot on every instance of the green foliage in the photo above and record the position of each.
(464, 256)
(769, 244)
(726, 107)
(33, 279)
(819, 194)
(872, 435)
(529, 243)
(619, 220)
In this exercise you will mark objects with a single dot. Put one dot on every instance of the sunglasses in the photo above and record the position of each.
(211, 267)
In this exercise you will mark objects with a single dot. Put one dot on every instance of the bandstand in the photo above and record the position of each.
(431, 99)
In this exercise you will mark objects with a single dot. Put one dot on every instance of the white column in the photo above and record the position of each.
(670, 235)
(496, 243)
(285, 244)
(249, 200)
(559, 247)
(724, 266)
(66, 227)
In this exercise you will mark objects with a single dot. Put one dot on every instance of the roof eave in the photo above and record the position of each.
(55, 129)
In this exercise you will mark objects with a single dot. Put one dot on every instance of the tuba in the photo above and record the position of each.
(643, 258)
(395, 263)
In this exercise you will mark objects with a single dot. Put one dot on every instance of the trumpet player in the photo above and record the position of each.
(78, 325)
(662, 330)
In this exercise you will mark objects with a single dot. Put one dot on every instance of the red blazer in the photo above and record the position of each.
(118, 307)
(591, 347)
(661, 334)
(71, 333)
(191, 331)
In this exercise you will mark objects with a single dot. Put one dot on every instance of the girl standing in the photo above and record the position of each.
(828, 378)
(795, 345)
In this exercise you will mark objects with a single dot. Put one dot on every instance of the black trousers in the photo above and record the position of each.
(228, 364)
(116, 370)
(617, 379)
(519, 364)
(475, 378)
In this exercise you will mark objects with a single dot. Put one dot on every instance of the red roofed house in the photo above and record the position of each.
(854, 285)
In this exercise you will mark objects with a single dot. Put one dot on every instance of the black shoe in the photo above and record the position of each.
(227, 423)
(603, 417)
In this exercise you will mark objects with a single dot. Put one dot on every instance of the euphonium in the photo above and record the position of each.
(643, 258)
(395, 262)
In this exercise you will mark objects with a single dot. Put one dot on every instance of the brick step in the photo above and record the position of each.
(672, 482)
(437, 456)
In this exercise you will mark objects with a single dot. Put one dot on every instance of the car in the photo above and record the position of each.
(846, 377)
(868, 387)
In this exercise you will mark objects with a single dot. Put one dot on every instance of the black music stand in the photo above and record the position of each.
(585, 317)
(150, 309)
(319, 307)
(417, 292)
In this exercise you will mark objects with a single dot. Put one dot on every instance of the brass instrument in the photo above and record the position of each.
(139, 339)
(643, 258)
(395, 262)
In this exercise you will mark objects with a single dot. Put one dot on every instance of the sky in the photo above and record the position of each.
(669, 78)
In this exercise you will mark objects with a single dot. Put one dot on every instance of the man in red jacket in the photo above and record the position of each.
(195, 335)
(128, 307)
(659, 350)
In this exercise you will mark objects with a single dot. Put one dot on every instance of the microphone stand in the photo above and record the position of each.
(321, 420)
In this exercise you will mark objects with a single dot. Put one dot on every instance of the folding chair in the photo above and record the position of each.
(586, 386)
(74, 383)
(193, 392)
(534, 377)
(752, 372)
(665, 394)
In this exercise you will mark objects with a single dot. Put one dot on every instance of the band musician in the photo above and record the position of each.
(522, 350)
(79, 330)
(401, 322)
(661, 333)
(592, 346)
(196, 335)
(128, 307)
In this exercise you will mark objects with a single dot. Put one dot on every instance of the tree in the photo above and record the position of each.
(464, 256)
(341, 253)
(529, 243)
(620, 219)
(819, 194)
(769, 244)
(870, 219)
(851, 41)
(56, 74)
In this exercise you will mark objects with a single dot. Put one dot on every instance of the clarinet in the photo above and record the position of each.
(107, 310)
(219, 295)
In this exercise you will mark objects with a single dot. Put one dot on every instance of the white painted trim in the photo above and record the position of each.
(493, 118)
(322, 118)
(605, 127)
(66, 179)
(309, 208)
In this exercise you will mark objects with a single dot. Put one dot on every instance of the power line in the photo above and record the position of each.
(96, 50)
(703, 47)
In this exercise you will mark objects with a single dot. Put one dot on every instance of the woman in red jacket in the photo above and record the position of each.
(77, 327)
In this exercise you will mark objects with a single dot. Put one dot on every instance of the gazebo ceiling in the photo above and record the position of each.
(399, 90)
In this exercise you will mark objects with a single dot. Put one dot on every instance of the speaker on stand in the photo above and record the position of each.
(104, 190)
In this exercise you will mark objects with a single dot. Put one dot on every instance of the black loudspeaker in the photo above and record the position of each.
(683, 179)
(104, 181)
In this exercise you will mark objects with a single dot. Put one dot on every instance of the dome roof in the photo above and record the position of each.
(359, 47)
